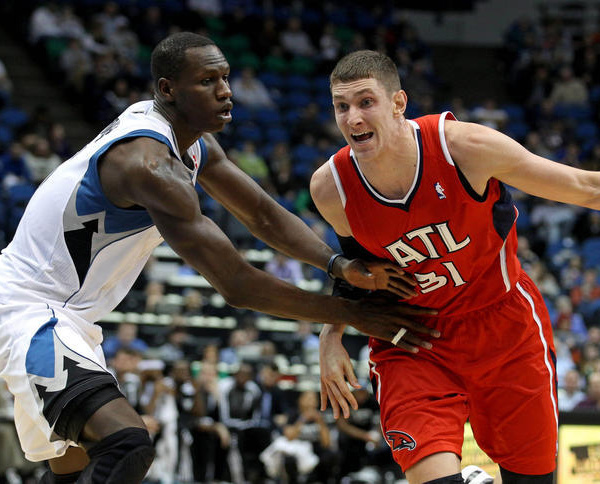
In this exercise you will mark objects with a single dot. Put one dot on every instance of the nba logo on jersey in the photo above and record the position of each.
(440, 191)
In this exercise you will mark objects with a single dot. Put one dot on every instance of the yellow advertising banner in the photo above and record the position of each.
(473, 455)
(578, 454)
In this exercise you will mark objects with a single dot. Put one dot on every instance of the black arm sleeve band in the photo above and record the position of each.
(351, 249)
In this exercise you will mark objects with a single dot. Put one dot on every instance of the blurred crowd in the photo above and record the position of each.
(240, 404)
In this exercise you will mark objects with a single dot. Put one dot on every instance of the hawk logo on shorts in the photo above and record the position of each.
(400, 440)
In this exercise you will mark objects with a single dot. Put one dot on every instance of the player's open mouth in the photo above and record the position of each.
(360, 137)
(225, 113)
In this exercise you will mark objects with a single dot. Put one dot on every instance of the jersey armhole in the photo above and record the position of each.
(463, 179)
(338, 181)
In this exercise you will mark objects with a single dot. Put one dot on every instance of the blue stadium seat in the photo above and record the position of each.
(17, 198)
(514, 111)
(590, 252)
(297, 82)
(6, 136)
(573, 111)
(13, 117)
(267, 117)
(320, 85)
(249, 131)
(276, 134)
(297, 100)
(271, 80)
(586, 131)
(517, 130)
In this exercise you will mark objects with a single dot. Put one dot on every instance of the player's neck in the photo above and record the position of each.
(183, 136)
(393, 171)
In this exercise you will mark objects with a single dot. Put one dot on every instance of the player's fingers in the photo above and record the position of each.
(323, 396)
(340, 398)
(350, 375)
(400, 275)
(348, 397)
(334, 404)
(400, 290)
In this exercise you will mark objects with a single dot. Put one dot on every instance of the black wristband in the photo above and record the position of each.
(330, 265)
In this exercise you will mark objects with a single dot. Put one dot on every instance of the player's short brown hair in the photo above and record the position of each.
(367, 64)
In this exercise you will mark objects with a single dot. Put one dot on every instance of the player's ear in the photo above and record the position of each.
(165, 89)
(399, 99)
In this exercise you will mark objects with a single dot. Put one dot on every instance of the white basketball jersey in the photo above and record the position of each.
(74, 248)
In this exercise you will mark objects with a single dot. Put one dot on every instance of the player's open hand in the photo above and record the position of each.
(378, 275)
(336, 369)
(389, 320)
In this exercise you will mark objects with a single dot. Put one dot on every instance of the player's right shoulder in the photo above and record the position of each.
(322, 184)
(137, 168)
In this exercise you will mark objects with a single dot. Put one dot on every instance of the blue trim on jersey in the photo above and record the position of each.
(91, 198)
(40, 355)
(203, 156)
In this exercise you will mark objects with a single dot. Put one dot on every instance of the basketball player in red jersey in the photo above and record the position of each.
(429, 194)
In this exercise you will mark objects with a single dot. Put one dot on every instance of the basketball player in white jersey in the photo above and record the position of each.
(86, 235)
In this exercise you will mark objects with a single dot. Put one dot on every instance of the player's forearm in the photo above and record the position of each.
(288, 234)
(259, 291)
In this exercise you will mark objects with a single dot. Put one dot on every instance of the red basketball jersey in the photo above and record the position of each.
(460, 247)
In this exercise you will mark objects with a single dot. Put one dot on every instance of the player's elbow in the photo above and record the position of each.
(236, 297)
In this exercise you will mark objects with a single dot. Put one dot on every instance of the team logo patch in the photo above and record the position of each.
(400, 440)
(440, 191)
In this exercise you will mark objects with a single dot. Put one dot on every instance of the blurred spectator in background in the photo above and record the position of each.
(592, 401)
(126, 337)
(177, 344)
(44, 22)
(569, 89)
(239, 406)
(41, 161)
(155, 291)
(307, 424)
(329, 47)
(190, 408)
(115, 100)
(361, 438)
(569, 392)
(281, 266)
(250, 91)
(151, 27)
(59, 143)
(237, 339)
(586, 294)
(568, 322)
(211, 438)
(587, 225)
(158, 402)
(273, 405)
(6, 85)
(124, 366)
(13, 168)
(250, 161)
(489, 114)
(110, 18)
(76, 62)
(295, 40)
(124, 42)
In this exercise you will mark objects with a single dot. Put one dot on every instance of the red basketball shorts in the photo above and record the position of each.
(494, 367)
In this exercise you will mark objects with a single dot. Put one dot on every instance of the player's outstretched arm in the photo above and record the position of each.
(144, 173)
(483, 153)
(282, 230)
